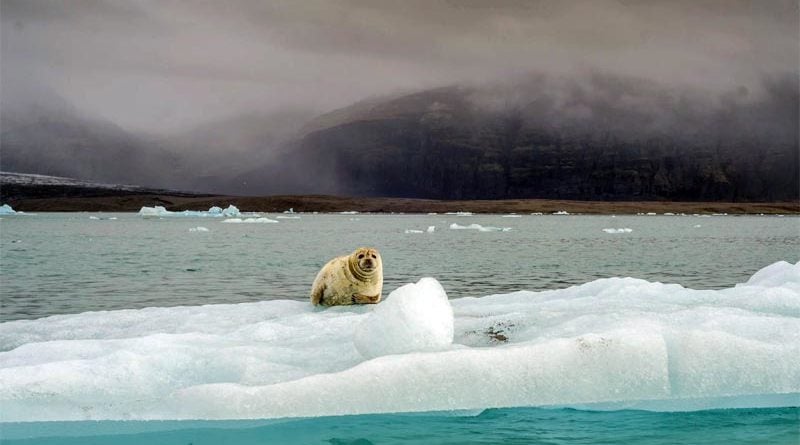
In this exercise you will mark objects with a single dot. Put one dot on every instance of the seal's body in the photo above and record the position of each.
(352, 279)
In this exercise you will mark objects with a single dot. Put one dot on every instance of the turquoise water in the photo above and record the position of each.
(494, 426)
(122, 361)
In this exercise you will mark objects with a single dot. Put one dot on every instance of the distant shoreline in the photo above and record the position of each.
(322, 203)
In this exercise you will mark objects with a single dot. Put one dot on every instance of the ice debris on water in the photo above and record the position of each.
(160, 211)
(479, 228)
(6, 209)
(459, 213)
(430, 229)
(618, 230)
(621, 341)
(561, 212)
(261, 220)
(199, 229)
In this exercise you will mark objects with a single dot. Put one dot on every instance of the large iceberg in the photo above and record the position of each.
(6, 209)
(614, 342)
(160, 211)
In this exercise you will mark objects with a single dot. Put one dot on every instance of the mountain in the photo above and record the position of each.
(212, 154)
(43, 134)
(594, 138)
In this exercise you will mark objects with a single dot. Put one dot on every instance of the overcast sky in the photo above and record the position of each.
(163, 66)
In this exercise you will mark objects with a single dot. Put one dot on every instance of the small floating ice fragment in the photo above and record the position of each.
(261, 220)
(349, 212)
(199, 229)
(479, 228)
(512, 215)
(561, 212)
(431, 229)
(413, 231)
(459, 213)
(619, 230)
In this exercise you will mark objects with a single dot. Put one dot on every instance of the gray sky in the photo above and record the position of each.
(164, 65)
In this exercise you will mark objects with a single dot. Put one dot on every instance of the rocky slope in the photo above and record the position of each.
(601, 138)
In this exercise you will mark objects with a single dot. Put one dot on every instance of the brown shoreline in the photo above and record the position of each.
(320, 203)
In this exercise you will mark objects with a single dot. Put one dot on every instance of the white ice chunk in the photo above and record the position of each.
(153, 211)
(199, 229)
(561, 212)
(349, 212)
(459, 213)
(431, 229)
(261, 220)
(414, 317)
(231, 211)
(512, 215)
(413, 231)
(479, 228)
(6, 209)
(619, 230)
(160, 211)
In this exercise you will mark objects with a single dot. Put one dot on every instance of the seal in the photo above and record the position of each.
(351, 279)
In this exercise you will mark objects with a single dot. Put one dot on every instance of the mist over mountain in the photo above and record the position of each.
(42, 133)
(600, 99)
(597, 137)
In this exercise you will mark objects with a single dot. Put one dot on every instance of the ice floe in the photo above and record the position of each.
(6, 209)
(479, 228)
(460, 213)
(621, 342)
(199, 229)
(618, 230)
(561, 212)
(160, 211)
(260, 220)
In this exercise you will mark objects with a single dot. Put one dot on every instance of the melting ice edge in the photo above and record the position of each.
(615, 342)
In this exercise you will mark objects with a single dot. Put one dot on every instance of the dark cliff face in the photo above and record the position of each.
(603, 140)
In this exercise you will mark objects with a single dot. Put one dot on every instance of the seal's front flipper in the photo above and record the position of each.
(316, 293)
(366, 299)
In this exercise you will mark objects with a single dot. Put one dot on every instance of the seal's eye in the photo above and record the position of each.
(361, 256)
(373, 256)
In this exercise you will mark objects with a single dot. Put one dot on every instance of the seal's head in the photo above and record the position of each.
(366, 260)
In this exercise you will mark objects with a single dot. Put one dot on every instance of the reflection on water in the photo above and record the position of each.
(67, 263)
